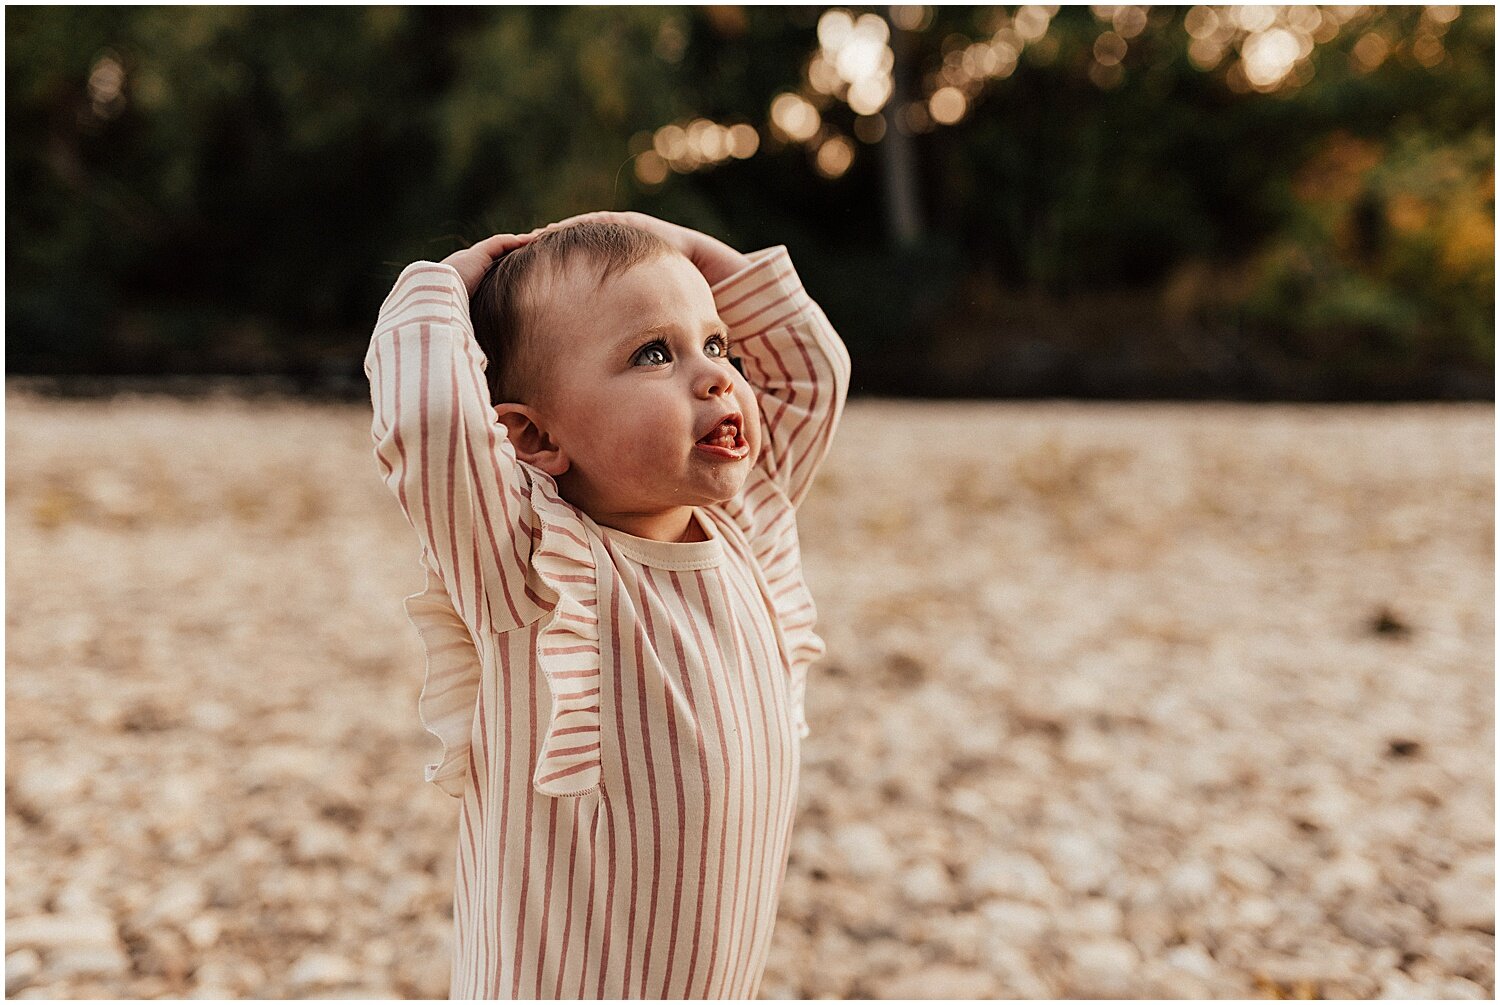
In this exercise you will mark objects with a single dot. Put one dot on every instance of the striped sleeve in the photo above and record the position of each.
(793, 358)
(445, 456)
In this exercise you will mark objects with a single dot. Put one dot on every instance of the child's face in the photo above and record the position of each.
(627, 405)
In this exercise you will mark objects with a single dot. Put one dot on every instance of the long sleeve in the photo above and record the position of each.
(793, 358)
(445, 456)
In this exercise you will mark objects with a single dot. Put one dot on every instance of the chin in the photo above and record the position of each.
(724, 490)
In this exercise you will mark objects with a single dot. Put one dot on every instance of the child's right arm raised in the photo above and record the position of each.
(440, 447)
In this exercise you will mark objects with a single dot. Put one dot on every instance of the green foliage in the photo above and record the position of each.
(238, 196)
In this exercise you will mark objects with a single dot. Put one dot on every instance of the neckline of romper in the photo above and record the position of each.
(676, 556)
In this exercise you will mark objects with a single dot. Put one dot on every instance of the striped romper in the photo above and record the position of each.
(621, 718)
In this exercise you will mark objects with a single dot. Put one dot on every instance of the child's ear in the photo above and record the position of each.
(533, 445)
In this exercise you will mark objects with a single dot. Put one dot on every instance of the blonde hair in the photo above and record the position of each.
(503, 307)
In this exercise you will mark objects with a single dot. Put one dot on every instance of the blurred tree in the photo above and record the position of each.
(1112, 199)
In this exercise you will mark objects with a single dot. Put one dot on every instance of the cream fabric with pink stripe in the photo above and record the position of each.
(620, 718)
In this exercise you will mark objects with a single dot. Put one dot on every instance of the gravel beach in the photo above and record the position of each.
(1120, 700)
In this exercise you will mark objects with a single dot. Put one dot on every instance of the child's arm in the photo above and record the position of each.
(442, 451)
(793, 358)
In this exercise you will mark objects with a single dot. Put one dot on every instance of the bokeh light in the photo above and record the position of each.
(834, 156)
(1256, 47)
(947, 106)
(107, 86)
(854, 61)
(794, 117)
(651, 168)
(743, 140)
(1369, 52)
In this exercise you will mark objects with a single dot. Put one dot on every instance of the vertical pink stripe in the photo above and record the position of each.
(623, 671)
(699, 743)
(541, 949)
(507, 473)
(486, 824)
(588, 915)
(638, 676)
(378, 391)
(747, 767)
(422, 416)
(449, 471)
(719, 890)
(529, 797)
(562, 962)
(747, 916)
(396, 431)
(765, 814)
(671, 716)
(504, 685)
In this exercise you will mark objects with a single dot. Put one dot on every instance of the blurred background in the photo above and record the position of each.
(1124, 696)
(1103, 201)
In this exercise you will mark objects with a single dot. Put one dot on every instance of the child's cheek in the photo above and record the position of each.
(637, 449)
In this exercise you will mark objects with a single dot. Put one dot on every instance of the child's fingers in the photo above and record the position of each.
(494, 247)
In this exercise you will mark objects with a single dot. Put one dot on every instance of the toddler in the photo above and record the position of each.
(616, 626)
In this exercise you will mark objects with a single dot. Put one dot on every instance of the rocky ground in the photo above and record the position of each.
(1120, 700)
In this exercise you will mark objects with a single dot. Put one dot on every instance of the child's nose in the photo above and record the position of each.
(714, 381)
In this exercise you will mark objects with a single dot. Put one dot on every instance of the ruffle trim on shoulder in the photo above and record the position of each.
(568, 650)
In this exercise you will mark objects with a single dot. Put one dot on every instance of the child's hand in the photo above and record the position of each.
(712, 257)
(471, 263)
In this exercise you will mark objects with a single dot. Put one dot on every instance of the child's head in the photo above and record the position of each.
(607, 364)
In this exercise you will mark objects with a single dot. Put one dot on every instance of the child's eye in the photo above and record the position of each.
(653, 353)
(656, 353)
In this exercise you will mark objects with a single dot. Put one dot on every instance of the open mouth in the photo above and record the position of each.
(726, 438)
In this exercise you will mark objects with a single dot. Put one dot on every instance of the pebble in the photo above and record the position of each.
(1191, 884)
(1017, 974)
(60, 931)
(316, 841)
(321, 970)
(865, 851)
(1344, 874)
(939, 982)
(1100, 968)
(926, 884)
(1080, 864)
(1465, 898)
(1093, 916)
(1399, 987)
(1192, 958)
(88, 961)
(1467, 953)
(1015, 923)
(203, 931)
(1011, 875)
(222, 971)
(21, 968)
(426, 974)
(1257, 913)
(176, 903)
(1380, 922)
